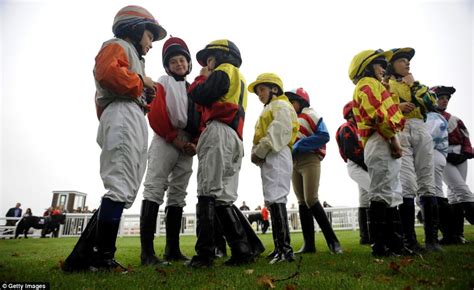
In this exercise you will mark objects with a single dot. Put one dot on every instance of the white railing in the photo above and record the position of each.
(341, 218)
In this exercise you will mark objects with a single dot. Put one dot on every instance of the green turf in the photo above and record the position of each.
(38, 260)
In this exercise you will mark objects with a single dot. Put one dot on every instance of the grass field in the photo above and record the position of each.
(37, 260)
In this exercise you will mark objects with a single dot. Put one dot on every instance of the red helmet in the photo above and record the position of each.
(172, 47)
(300, 95)
(347, 111)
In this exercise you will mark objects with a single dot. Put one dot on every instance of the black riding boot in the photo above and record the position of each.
(108, 223)
(446, 221)
(377, 228)
(323, 222)
(429, 205)
(256, 245)
(469, 211)
(235, 235)
(407, 217)
(394, 234)
(221, 246)
(148, 215)
(363, 227)
(174, 216)
(205, 231)
(81, 256)
(307, 227)
(458, 229)
(272, 254)
(282, 233)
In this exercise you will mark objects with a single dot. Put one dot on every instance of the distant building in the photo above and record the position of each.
(70, 199)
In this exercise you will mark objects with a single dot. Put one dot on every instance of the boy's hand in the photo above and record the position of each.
(257, 160)
(149, 83)
(395, 147)
(205, 71)
(178, 144)
(190, 149)
(408, 79)
(407, 107)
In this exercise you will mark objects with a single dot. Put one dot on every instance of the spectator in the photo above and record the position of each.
(244, 206)
(328, 213)
(265, 221)
(12, 212)
(28, 213)
(48, 211)
(293, 217)
(56, 211)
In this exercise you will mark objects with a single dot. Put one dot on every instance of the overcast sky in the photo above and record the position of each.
(48, 119)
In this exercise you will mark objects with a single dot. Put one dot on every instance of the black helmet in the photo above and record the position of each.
(224, 50)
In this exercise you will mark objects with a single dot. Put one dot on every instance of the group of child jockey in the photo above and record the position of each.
(386, 142)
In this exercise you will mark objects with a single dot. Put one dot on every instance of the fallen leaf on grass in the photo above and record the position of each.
(383, 279)
(290, 287)
(468, 267)
(249, 271)
(424, 281)
(406, 261)
(394, 266)
(429, 282)
(161, 271)
(119, 269)
(425, 266)
(266, 281)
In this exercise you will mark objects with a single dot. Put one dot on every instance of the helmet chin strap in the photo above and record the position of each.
(137, 46)
(272, 94)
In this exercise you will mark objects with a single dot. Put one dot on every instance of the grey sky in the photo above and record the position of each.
(48, 117)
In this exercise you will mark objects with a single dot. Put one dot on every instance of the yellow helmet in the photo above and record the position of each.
(405, 52)
(363, 58)
(266, 78)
